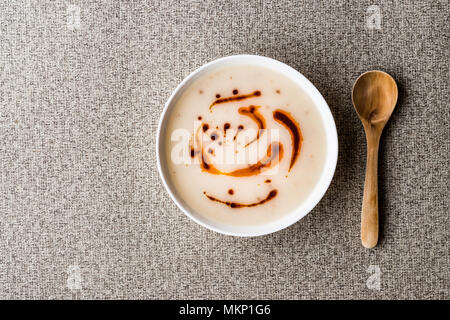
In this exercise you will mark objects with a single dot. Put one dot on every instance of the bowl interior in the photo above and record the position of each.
(330, 158)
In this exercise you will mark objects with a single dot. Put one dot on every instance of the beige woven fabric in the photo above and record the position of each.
(83, 213)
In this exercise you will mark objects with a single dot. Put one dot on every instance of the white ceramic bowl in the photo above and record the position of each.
(330, 161)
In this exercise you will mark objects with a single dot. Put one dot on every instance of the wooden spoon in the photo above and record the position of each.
(374, 97)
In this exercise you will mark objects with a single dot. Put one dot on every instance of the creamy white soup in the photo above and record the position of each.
(245, 145)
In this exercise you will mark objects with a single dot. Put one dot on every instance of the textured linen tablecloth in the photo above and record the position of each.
(83, 211)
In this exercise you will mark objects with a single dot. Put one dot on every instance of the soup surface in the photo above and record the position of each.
(245, 145)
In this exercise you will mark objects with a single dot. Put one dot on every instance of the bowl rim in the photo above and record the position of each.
(328, 170)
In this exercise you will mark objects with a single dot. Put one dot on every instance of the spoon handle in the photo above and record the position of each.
(369, 215)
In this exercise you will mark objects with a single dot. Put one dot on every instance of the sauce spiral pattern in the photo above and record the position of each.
(274, 153)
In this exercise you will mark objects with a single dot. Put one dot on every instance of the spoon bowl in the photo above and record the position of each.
(374, 97)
